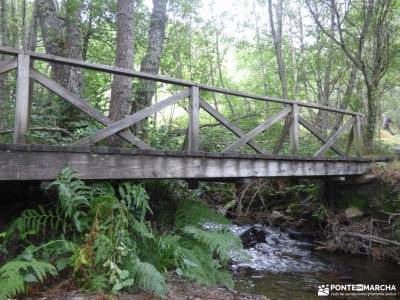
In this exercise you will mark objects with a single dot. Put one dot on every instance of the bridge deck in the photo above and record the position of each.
(44, 162)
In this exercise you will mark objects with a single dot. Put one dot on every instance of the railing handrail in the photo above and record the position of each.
(165, 79)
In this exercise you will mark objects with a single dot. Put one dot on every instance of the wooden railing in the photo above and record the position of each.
(290, 111)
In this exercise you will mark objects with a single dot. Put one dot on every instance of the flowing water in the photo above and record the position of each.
(283, 268)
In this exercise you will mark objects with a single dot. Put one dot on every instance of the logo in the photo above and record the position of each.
(323, 290)
(357, 290)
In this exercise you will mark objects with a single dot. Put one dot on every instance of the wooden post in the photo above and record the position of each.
(194, 119)
(358, 139)
(22, 100)
(294, 129)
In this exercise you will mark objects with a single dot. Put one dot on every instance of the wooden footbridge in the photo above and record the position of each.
(23, 161)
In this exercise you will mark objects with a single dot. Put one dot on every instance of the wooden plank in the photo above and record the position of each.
(275, 99)
(132, 119)
(224, 121)
(41, 165)
(132, 151)
(320, 136)
(294, 129)
(165, 79)
(350, 140)
(8, 65)
(260, 128)
(358, 137)
(333, 138)
(284, 133)
(84, 106)
(22, 100)
(194, 119)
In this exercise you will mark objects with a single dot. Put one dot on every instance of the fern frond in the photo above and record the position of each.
(102, 189)
(12, 275)
(135, 197)
(74, 198)
(103, 248)
(198, 264)
(98, 283)
(147, 277)
(142, 229)
(195, 212)
(36, 221)
(221, 242)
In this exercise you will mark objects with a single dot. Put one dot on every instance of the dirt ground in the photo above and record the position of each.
(179, 290)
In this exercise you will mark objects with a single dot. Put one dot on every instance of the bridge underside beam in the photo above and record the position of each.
(41, 162)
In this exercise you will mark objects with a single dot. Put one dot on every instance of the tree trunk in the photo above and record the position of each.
(346, 97)
(62, 36)
(302, 71)
(14, 25)
(372, 113)
(325, 91)
(3, 77)
(121, 88)
(75, 41)
(151, 61)
(53, 39)
(260, 52)
(277, 38)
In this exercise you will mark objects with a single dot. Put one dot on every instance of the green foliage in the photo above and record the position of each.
(149, 278)
(101, 236)
(74, 198)
(36, 221)
(191, 211)
(220, 242)
(14, 275)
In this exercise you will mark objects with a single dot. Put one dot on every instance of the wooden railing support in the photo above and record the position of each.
(358, 138)
(23, 61)
(333, 138)
(294, 129)
(22, 100)
(260, 128)
(194, 119)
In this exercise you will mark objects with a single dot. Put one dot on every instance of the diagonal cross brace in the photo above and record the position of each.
(8, 65)
(320, 136)
(260, 128)
(224, 121)
(84, 106)
(132, 119)
(333, 138)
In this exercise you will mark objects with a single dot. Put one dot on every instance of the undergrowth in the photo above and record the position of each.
(101, 237)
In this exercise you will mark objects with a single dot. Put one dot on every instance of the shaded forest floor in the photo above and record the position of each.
(179, 290)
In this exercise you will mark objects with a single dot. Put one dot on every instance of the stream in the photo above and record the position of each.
(283, 268)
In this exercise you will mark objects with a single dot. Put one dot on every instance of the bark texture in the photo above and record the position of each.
(3, 77)
(62, 36)
(276, 33)
(121, 89)
(151, 61)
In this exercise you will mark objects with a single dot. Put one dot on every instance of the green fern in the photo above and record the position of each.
(149, 278)
(97, 283)
(35, 222)
(14, 274)
(104, 239)
(195, 212)
(221, 242)
(135, 197)
(142, 229)
(198, 265)
(103, 247)
(74, 198)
